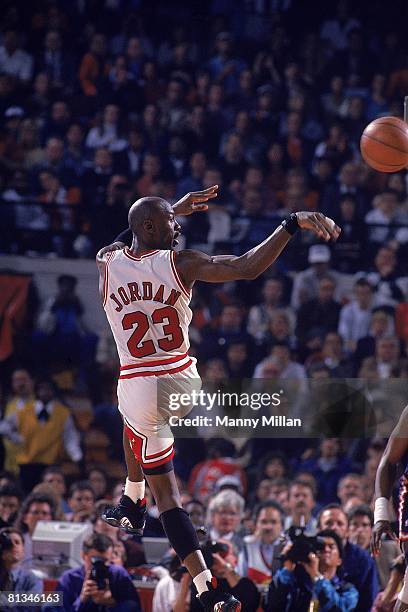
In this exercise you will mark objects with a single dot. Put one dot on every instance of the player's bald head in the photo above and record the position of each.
(144, 209)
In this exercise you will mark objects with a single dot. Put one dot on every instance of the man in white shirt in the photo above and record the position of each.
(355, 317)
(260, 557)
(301, 504)
(14, 60)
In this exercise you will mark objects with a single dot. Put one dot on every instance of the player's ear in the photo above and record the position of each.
(148, 225)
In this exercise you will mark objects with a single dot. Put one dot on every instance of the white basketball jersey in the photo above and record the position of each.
(147, 307)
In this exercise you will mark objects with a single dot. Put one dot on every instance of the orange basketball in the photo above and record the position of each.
(384, 144)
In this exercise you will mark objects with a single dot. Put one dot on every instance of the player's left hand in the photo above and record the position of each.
(319, 224)
(195, 201)
(115, 246)
(380, 528)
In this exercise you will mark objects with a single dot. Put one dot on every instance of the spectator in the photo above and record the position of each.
(321, 313)
(387, 353)
(46, 428)
(74, 156)
(98, 480)
(260, 315)
(94, 68)
(306, 283)
(355, 317)
(297, 586)
(79, 590)
(225, 512)
(288, 369)
(36, 507)
(54, 62)
(10, 500)
(14, 577)
(327, 468)
(361, 522)
(22, 386)
(387, 214)
(385, 278)
(301, 503)
(62, 335)
(349, 250)
(81, 500)
(106, 135)
(260, 557)
(358, 567)
(381, 327)
(350, 486)
(224, 67)
(13, 60)
(54, 476)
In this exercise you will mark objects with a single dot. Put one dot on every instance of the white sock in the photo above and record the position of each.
(201, 580)
(135, 490)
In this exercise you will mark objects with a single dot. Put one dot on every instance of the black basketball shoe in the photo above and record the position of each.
(127, 515)
(215, 600)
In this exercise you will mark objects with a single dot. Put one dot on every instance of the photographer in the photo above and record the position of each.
(221, 557)
(309, 578)
(261, 555)
(97, 585)
(12, 576)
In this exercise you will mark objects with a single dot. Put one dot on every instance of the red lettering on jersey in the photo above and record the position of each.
(134, 292)
(173, 297)
(115, 299)
(123, 295)
(147, 290)
(159, 294)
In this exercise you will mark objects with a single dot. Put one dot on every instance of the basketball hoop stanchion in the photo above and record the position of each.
(406, 109)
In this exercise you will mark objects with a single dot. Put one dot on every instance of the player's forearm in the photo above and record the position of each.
(385, 478)
(257, 260)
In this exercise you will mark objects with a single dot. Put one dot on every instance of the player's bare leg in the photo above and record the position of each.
(130, 513)
(183, 538)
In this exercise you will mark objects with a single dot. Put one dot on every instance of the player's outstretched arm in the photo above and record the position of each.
(386, 475)
(194, 265)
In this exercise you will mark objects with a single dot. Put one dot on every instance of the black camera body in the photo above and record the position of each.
(99, 572)
(302, 545)
(210, 547)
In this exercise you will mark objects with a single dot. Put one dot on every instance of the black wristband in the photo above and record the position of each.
(290, 224)
(126, 237)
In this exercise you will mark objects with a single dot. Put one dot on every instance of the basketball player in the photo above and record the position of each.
(146, 291)
(394, 453)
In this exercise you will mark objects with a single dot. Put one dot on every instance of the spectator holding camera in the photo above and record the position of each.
(97, 585)
(12, 576)
(221, 557)
(358, 567)
(301, 586)
(260, 557)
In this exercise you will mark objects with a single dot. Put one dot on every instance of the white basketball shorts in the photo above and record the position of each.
(144, 403)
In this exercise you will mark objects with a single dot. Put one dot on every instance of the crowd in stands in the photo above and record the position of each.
(105, 102)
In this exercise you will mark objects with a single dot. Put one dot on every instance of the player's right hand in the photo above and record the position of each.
(319, 224)
(380, 528)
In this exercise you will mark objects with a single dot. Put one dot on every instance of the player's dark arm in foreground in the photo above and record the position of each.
(396, 448)
(195, 265)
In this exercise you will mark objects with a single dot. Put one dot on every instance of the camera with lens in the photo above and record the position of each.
(212, 546)
(99, 572)
(302, 545)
